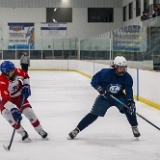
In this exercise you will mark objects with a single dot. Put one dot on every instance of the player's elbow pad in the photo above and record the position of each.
(9, 105)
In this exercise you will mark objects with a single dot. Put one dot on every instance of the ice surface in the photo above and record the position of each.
(61, 100)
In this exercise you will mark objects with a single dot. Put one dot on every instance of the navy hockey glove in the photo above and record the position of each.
(132, 107)
(101, 90)
(26, 92)
(16, 114)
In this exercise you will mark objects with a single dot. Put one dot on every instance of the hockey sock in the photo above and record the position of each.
(87, 120)
(8, 116)
(29, 113)
(132, 119)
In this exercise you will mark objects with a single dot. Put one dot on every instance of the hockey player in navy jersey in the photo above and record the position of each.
(111, 81)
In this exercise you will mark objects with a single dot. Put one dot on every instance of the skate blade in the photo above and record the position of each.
(137, 138)
(45, 139)
(27, 140)
(69, 138)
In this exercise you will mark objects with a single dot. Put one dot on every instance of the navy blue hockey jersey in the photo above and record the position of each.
(112, 83)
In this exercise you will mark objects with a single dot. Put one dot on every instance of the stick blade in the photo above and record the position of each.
(6, 148)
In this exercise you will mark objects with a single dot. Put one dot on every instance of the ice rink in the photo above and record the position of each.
(61, 100)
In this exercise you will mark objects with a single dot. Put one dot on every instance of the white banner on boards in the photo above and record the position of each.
(53, 29)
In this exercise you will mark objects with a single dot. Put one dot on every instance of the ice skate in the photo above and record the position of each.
(25, 137)
(43, 134)
(136, 132)
(73, 133)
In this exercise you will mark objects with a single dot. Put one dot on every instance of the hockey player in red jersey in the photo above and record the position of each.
(14, 84)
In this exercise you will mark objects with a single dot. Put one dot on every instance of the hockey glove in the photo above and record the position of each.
(132, 107)
(16, 114)
(26, 92)
(101, 90)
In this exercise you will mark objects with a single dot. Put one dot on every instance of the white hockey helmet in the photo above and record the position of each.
(120, 61)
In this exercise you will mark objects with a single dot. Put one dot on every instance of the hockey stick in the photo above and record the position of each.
(7, 148)
(136, 112)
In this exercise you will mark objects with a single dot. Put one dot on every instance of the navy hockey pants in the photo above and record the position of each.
(100, 107)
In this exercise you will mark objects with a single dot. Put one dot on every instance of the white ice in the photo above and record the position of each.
(61, 100)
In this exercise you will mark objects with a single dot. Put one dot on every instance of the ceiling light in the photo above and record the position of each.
(54, 20)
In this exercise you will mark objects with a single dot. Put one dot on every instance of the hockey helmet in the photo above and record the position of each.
(120, 61)
(7, 66)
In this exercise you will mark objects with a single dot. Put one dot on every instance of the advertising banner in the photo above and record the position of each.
(132, 38)
(53, 29)
(21, 36)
